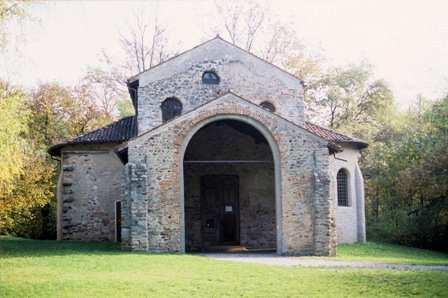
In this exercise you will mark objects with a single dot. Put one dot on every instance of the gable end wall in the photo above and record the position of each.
(306, 221)
(239, 72)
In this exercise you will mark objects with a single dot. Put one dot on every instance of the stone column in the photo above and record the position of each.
(125, 212)
(134, 214)
(324, 209)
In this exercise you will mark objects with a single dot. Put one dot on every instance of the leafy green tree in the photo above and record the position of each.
(50, 114)
(59, 113)
(125, 108)
(347, 95)
(13, 127)
(21, 209)
(407, 189)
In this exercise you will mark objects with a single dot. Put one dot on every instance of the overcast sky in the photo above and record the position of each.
(406, 41)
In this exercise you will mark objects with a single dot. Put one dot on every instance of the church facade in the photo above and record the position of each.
(219, 154)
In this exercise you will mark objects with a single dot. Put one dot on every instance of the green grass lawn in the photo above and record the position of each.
(388, 253)
(69, 269)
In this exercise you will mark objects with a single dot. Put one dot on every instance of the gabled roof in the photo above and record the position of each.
(216, 39)
(126, 128)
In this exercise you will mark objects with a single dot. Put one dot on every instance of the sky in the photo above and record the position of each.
(405, 41)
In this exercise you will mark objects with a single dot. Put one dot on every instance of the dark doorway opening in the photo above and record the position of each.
(219, 210)
(118, 221)
(229, 189)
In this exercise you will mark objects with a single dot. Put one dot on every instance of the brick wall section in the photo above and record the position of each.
(90, 185)
(304, 182)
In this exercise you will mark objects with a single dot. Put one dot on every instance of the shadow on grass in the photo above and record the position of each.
(19, 247)
(11, 247)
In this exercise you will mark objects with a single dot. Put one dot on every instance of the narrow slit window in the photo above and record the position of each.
(342, 184)
(171, 108)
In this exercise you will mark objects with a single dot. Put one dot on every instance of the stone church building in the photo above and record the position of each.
(219, 154)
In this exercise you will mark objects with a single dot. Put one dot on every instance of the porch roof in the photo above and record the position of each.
(126, 128)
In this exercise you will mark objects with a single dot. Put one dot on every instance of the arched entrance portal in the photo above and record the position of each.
(230, 193)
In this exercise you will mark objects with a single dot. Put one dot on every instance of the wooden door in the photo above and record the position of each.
(219, 210)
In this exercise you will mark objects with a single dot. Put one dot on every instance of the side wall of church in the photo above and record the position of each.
(89, 186)
(350, 220)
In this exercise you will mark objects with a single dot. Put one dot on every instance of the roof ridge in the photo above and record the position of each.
(135, 77)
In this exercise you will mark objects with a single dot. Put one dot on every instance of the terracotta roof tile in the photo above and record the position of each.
(333, 136)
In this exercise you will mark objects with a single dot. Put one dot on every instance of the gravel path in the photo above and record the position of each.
(273, 259)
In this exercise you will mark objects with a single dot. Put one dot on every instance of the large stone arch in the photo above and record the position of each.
(275, 155)
(153, 214)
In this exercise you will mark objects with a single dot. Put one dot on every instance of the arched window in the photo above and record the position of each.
(171, 107)
(268, 106)
(210, 77)
(342, 182)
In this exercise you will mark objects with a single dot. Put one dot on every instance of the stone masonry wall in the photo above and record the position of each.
(306, 223)
(239, 72)
(90, 181)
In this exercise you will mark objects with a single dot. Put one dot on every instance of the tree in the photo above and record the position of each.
(125, 108)
(105, 88)
(59, 113)
(144, 44)
(21, 209)
(250, 26)
(241, 21)
(344, 96)
(407, 185)
(13, 126)
(50, 114)
(9, 10)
